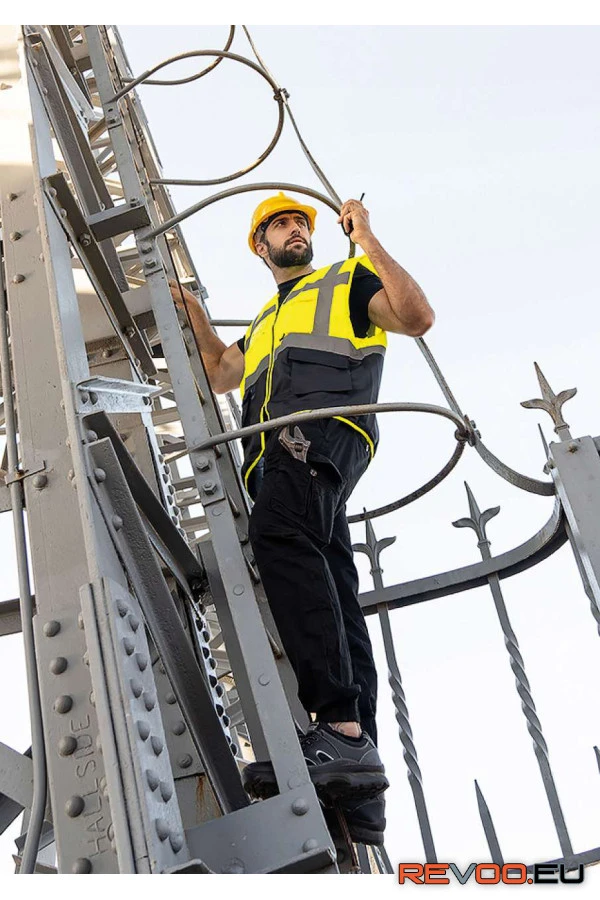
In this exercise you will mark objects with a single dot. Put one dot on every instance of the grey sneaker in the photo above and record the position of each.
(339, 767)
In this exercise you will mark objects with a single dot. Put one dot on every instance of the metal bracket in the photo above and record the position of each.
(22, 475)
(111, 222)
(114, 395)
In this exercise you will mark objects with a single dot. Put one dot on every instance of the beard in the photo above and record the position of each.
(285, 257)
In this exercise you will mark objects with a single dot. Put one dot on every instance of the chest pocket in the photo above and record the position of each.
(317, 370)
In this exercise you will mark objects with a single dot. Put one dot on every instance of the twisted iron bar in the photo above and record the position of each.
(478, 521)
(373, 549)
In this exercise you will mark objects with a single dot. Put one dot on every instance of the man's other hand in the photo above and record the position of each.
(354, 219)
(176, 293)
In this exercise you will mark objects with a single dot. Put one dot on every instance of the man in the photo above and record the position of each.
(318, 343)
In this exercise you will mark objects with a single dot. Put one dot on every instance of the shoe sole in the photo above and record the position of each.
(352, 781)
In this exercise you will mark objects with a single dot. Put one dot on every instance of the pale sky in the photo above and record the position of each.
(477, 151)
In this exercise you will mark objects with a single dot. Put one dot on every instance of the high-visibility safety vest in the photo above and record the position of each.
(302, 354)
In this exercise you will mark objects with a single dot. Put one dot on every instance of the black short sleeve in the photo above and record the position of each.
(364, 286)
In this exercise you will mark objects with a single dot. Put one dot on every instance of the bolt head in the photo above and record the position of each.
(40, 481)
(85, 240)
(300, 806)
(58, 665)
(18, 279)
(51, 628)
(67, 745)
(203, 463)
(209, 487)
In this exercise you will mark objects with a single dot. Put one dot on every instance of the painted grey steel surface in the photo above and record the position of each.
(149, 635)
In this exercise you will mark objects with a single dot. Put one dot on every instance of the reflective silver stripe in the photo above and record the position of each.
(257, 322)
(254, 376)
(342, 346)
(325, 286)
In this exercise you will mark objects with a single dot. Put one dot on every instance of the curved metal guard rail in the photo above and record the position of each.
(225, 437)
(222, 54)
(230, 192)
(174, 81)
(533, 551)
(414, 495)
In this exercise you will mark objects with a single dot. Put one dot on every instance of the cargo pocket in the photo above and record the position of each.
(318, 371)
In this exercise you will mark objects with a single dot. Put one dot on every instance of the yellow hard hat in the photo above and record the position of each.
(278, 204)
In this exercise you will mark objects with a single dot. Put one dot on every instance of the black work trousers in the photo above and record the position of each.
(301, 542)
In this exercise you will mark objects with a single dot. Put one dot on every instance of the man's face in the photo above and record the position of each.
(287, 240)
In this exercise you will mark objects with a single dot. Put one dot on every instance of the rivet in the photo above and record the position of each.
(136, 687)
(84, 239)
(166, 791)
(142, 661)
(86, 658)
(152, 779)
(67, 745)
(91, 436)
(162, 829)
(106, 354)
(122, 608)
(310, 844)
(71, 474)
(573, 447)
(300, 807)
(264, 680)
(74, 806)
(110, 831)
(179, 727)
(134, 622)
(16, 236)
(18, 279)
(551, 464)
(58, 665)
(117, 522)
(238, 590)
(92, 698)
(84, 396)
(99, 475)
(81, 866)
(128, 645)
(143, 730)
(12, 197)
(51, 628)
(157, 745)
(171, 698)
(161, 669)
(176, 842)
(40, 481)
(149, 700)
(63, 704)
(185, 761)
(80, 623)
